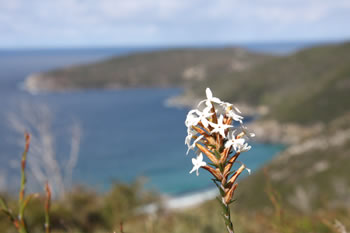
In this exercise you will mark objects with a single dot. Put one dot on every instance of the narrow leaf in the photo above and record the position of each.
(222, 192)
(3, 204)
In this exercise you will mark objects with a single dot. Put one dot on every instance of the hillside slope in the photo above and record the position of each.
(311, 85)
(309, 176)
(150, 69)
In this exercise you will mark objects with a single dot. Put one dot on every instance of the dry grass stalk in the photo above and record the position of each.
(23, 199)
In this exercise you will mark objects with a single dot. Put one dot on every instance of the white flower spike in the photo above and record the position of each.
(198, 163)
(214, 125)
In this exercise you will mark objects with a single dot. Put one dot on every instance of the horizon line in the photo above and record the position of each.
(182, 45)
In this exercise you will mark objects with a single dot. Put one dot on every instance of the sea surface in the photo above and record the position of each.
(126, 133)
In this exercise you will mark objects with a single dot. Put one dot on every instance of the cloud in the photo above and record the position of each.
(113, 22)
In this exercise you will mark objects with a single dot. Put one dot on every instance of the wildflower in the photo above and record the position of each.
(231, 111)
(190, 134)
(197, 163)
(241, 146)
(246, 132)
(191, 147)
(238, 144)
(201, 117)
(220, 127)
(190, 118)
(234, 116)
(210, 99)
(214, 137)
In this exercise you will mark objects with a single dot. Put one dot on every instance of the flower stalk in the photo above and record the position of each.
(215, 136)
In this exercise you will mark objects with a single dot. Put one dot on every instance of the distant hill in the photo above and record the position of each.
(310, 86)
(305, 87)
(148, 69)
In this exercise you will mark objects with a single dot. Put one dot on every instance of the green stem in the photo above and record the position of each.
(225, 206)
(227, 217)
(226, 214)
(23, 186)
(21, 200)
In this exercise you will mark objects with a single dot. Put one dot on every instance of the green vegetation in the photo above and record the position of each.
(309, 86)
(84, 211)
(151, 69)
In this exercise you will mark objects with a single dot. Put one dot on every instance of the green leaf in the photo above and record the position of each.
(221, 167)
(213, 164)
(217, 154)
(227, 185)
(233, 200)
(221, 149)
(3, 204)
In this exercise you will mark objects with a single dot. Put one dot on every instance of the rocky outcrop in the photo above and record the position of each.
(272, 131)
(38, 83)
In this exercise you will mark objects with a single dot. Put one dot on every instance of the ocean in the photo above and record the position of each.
(126, 134)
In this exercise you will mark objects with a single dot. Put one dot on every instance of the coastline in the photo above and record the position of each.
(266, 130)
(181, 202)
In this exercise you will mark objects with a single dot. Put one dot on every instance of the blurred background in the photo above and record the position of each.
(104, 88)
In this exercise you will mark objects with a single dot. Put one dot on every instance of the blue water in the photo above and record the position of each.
(126, 133)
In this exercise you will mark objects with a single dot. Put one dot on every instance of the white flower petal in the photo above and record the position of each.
(193, 169)
(208, 93)
(205, 122)
(198, 163)
(216, 100)
(200, 157)
(201, 102)
(237, 110)
(191, 147)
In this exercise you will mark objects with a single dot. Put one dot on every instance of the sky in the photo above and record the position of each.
(82, 23)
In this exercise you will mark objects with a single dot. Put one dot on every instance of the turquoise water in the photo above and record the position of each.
(126, 133)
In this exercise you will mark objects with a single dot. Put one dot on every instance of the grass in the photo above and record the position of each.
(85, 212)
